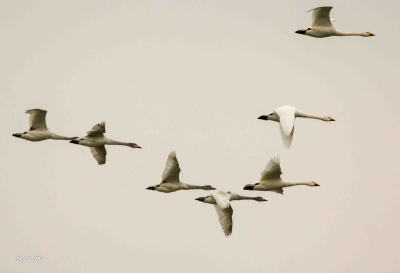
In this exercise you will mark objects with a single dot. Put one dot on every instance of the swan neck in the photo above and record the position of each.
(341, 33)
(306, 115)
(114, 142)
(240, 197)
(290, 184)
(192, 187)
(54, 136)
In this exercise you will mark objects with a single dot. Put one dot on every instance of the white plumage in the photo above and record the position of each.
(286, 115)
(322, 26)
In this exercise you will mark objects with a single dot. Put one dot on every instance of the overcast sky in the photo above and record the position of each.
(193, 76)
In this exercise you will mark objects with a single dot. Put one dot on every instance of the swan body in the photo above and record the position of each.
(38, 130)
(322, 26)
(233, 197)
(271, 179)
(96, 141)
(286, 115)
(170, 178)
(221, 202)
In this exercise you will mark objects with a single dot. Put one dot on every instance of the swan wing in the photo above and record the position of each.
(98, 130)
(37, 119)
(172, 170)
(99, 153)
(286, 121)
(320, 17)
(272, 171)
(225, 219)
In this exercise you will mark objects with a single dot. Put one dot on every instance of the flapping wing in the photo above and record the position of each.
(37, 119)
(225, 219)
(98, 130)
(172, 170)
(320, 17)
(99, 153)
(272, 171)
(287, 139)
(286, 121)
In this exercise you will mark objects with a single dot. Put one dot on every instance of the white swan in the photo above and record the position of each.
(170, 178)
(38, 130)
(322, 26)
(221, 201)
(286, 115)
(271, 179)
(96, 140)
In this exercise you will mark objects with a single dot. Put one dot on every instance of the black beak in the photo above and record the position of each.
(301, 32)
(263, 117)
(317, 185)
(372, 34)
(74, 141)
(151, 188)
(333, 119)
(16, 135)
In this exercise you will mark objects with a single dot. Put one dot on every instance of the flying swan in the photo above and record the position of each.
(322, 26)
(285, 115)
(38, 130)
(170, 178)
(271, 179)
(95, 140)
(221, 201)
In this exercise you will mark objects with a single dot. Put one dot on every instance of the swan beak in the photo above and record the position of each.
(264, 200)
(332, 119)
(372, 34)
(301, 32)
(316, 185)
(214, 188)
(263, 117)
(139, 147)
(16, 135)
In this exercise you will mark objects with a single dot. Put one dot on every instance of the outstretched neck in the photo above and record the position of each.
(341, 33)
(290, 184)
(57, 137)
(301, 114)
(113, 142)
(192, 187)
(239, 197)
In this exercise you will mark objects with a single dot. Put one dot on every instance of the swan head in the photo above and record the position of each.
(201, 199)
(314, 184)
(260, 199)
(302, 31)
(328, 119)
(134, 145)
(209, 188)
(367, 34)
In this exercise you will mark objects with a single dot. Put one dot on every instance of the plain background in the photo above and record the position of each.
(193, 76)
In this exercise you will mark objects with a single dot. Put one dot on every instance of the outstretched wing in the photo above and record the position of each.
(98, 130)
(37, 119)
(320, 17)
(99, 153)
(286, 121)
(225, 219)
(172, 170)
(287, 139)
(272, 171)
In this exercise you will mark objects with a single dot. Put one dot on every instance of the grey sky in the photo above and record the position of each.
(193, 76)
